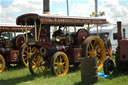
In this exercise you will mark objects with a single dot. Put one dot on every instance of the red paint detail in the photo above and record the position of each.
(14, 55)
(82, 34)
(20, 40)
(73, 54)
(123, 50)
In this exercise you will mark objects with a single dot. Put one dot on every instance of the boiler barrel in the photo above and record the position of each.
(88, 71)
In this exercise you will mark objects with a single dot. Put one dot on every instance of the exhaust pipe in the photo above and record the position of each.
(46, 6)
(119, 34)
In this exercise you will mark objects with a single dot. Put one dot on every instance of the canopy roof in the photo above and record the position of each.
(30, 18)
(12, 28)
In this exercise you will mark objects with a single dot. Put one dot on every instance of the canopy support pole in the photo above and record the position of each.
(23, 31)
(101, 29)
(39, 33)
(75, 28)
(35, 31)
(97, 30)
(89, 28)
(26, 32)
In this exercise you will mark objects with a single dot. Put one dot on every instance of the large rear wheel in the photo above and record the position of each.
(36, 64)
(27, 52)
(60, 64)
(2, 63)
(94, 47)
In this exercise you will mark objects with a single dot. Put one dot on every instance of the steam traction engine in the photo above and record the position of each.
(121, 51)
(9, 46)
(121, 58)
(41, 52)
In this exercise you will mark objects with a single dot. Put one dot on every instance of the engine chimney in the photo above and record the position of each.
(119, 34)
(46, 6)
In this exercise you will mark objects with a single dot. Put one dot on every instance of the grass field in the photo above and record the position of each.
(23, 77)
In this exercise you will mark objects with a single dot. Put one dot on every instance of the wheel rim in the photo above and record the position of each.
(61, 64)
(2, 63)
(27, 52)
(37, 65)
(95, 48)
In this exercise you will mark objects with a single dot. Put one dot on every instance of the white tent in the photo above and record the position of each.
(111, 31)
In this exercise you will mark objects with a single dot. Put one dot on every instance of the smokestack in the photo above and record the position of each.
(46, 6)
(119, 34)
(96, 9)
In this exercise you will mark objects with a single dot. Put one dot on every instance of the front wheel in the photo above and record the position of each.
(108, 66)
(2, 63)
(37, 64)
(26, 52)
(60, 64)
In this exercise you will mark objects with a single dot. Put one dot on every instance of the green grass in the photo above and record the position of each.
(23, 77)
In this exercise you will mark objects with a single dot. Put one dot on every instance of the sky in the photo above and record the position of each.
(115, 10)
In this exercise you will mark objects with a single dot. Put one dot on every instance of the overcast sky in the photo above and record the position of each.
(114, 9)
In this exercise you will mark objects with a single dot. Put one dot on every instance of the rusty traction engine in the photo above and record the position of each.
(41, 52)
(121, 57)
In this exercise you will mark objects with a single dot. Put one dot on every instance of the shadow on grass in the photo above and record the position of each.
(78, 83)
(26, 79)
(117, 74)
(15, 81)
(29, 77)
(74, 69)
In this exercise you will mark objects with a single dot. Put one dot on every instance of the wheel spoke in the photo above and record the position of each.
(33, 62)
(33, 49)
(61, 59)
(57, 60)
(30, 49)
(63, 63)
(56, 63)
(24, 55)
(98, 54)
(25, 59)
(34, 68)
(27, 62)
(89, 52)
(62, 68)
(38, 70)
(94, 44)
(91, 46)
(59, 70)
(41, 68)
(26, 51)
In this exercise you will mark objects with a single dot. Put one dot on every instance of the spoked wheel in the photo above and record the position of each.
(27, 52)
(94, 47)
(2, 63)
(60, 64)
(37, 64)
(108, 66)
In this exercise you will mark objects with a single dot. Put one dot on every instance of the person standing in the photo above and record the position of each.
(108, 46)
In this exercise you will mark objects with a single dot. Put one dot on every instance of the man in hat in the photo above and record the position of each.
(108, 46)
